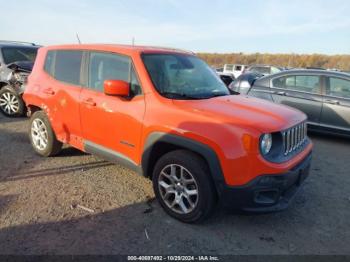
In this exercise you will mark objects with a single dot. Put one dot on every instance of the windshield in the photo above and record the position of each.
(16, 54)
(261, 70)
(180, 76)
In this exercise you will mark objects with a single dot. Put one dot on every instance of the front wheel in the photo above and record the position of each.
(42, 136)
(183, 186)
(11, 103)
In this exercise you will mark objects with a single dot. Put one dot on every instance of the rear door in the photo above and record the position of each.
(336, 107)
(61, 90)
(303, 92)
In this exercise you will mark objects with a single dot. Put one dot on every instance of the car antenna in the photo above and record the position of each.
(78, 38)
(133, 41)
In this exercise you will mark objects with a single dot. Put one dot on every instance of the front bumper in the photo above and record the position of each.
(267, 193)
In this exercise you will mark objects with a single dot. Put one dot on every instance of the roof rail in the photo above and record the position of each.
(16, 42)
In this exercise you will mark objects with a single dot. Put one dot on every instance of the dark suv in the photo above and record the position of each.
(16, 63)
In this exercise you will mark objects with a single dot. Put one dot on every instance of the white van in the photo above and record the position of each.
(234, 69)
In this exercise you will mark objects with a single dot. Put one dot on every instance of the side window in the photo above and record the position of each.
(49, 62)
(67, 66)
(107, 66)
(284, 82)
(339, 87)
(290, 82)
(309, 84)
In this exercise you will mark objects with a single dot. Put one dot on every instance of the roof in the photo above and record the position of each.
(310, 71)
(6, 43)
(121, 48)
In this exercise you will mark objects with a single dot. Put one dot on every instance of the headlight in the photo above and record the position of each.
(265, 143)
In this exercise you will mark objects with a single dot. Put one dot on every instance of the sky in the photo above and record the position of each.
(248, 26)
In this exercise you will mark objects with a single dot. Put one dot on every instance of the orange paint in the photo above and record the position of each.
(229, 125)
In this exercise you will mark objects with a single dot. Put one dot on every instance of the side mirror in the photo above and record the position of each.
(116, 88)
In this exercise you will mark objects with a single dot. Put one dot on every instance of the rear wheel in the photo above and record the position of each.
(11, 103)
(182, 185)
(42, 136)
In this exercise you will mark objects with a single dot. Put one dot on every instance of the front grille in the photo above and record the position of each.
(294, 138)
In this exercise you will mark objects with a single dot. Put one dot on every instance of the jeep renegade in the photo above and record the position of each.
(165, 114)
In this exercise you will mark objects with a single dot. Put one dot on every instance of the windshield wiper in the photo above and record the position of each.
(174, 95)
(216, 95)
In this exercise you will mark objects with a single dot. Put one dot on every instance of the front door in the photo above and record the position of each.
(112, 125)
(300, 91)
(336, 107)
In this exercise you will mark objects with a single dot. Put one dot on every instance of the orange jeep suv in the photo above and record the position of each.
(166, 115)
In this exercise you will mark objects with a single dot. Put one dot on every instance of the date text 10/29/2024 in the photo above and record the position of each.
(173, 258)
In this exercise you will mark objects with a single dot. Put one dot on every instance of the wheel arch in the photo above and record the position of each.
(32, 109)
(158, 144)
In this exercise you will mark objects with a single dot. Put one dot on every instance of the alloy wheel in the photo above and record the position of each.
(178, 189)
(39, 134)
(9, 103)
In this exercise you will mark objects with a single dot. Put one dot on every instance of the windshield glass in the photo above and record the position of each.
(180, 76)
(262, 70)
(16, 54)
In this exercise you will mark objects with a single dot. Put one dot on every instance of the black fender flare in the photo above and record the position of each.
(201, 149)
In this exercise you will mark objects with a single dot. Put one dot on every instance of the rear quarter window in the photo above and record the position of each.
(64, 65)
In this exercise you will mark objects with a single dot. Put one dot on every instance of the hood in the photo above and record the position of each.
(245, 111)
(25, 66)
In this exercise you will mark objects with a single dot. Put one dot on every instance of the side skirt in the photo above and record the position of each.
(111, 156)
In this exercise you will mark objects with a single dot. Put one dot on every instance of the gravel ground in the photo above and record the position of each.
(39, 212)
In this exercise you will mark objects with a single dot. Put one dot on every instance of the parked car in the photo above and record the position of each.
(244, 82)
(165, 114)
(16, 62)
(226, 78)
(234, 69)
(263, 69)
(324, 96)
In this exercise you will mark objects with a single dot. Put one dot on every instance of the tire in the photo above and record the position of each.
(195, 177)
(11, 103)
(42, 136)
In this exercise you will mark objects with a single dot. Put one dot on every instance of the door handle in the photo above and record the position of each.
(281, 93)
(333, 102)
(89, 102)
(49, 91)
